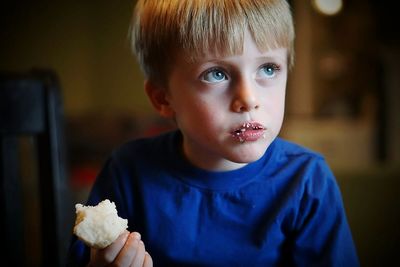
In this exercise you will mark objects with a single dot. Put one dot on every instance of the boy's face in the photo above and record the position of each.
(229, 109)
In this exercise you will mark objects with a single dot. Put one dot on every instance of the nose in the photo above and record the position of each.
(245, 98)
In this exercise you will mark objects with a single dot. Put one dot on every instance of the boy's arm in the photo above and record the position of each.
(322, 236)
(107, 186)
(103, 188)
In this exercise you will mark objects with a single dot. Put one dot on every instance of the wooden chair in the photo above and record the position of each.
(30, 106)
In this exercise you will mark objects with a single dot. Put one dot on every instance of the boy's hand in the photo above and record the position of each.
(128, 250)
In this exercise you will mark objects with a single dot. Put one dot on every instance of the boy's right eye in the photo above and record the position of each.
(214, 76)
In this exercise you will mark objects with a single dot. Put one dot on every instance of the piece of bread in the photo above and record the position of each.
(98, 226)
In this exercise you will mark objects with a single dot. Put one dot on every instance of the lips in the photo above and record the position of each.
(248, 131)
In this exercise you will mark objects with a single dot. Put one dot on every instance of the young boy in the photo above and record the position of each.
(223, 190)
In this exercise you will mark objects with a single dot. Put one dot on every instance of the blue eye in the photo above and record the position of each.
(269, 70)
(214, 76)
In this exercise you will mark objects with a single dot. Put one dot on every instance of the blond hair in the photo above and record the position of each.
(162, 28)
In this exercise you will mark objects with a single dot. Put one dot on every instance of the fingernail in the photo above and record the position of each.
(136, 235)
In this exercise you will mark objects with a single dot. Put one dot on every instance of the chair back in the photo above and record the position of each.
(31, 107)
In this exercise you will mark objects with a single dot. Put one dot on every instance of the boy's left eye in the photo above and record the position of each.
(214, 76)
(269, 70)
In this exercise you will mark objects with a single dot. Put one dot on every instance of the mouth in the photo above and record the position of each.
(249, 131)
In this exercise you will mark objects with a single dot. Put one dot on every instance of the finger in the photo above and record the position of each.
(129, 251)
(102, 257)
(140, 255)
(148, 261)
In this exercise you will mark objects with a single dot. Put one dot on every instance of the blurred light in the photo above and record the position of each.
(328, 7)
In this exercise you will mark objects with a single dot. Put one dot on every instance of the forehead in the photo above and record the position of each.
(249, 52)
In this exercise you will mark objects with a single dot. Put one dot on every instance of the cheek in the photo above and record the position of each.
(279, 107)
(275, 108)
(199, 114)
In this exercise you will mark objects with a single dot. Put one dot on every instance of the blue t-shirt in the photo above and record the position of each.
(285, 209)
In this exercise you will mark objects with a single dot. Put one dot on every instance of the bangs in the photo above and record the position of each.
(219, 26)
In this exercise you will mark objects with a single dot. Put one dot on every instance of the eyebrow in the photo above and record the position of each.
(267, 55)
(225, 60)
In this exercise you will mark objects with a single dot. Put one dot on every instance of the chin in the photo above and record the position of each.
(248, 157)
(250, 153)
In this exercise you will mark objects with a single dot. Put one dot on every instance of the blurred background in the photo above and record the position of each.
(343, 96)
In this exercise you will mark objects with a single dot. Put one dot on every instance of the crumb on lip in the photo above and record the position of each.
(239, 133)
(246, 126)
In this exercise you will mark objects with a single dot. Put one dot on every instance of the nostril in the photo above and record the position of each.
(240, 107)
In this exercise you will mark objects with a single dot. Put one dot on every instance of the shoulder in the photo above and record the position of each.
(309, 177)
(289, 153)
(128, 166)
(307, 167)
(292, 150)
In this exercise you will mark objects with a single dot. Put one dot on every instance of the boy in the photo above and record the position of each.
(223, 190)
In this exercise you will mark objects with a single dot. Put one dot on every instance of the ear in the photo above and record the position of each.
(159, 99)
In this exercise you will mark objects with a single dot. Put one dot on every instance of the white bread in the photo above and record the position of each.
(98, 226)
